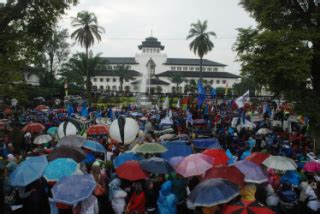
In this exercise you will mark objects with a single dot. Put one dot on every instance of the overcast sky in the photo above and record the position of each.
(128, 22)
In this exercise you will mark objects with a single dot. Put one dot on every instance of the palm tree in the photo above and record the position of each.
(201, 43)
(177, 78)
(122, 71)
(80, 66)
(85, 34)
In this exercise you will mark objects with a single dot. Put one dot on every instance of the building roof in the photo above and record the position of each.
(186, 61)
(113, 73)
(152, 82)
(151, 42)
(197, 74)
(120, 60)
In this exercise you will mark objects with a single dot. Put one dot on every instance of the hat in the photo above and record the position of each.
(11, 157)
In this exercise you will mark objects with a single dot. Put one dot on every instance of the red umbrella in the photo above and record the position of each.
(219, 156)
(132, 171)
(242, 207)
(98, 130)
(230, 173)
(257, 157)
(41, 107)
(33, 128)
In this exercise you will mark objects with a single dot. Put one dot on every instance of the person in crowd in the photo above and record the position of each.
(167, 201)
(137, 202)
(288, 199)
(117, 196)
(151, 197)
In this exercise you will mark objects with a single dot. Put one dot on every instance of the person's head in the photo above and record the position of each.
(137, 186)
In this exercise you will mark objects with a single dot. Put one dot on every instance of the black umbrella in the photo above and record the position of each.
(67, 152)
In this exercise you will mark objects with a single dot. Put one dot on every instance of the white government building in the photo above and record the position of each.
(154, 63)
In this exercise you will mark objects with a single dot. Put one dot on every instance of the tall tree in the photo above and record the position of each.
(80, 67)
(282, 53)
(25, 26)
(85, 34)
(201, 43)
(57, 50)
(122, 71)
(177, 78)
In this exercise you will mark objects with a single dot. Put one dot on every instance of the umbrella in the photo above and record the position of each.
(124, 157)
(59, 168)
(253, 173)
(42, 139)
(246, 207)
(263, 131)
(156, 165)
(230, 173)
(205, 143)
(67, 152)
(195, 164)
(150, 148)
(132, 171)
(219, 156)
(73, 189)
(28, 171)
(124, 130)
(167, 137)
(174, 161)
(291, 177)
(98, 130)
(69, 127)
(311, 166)
(41, 108)
(257, 157)
(280, 163)
(52, 131)
(94, 146)
(72, 141)
(176, 148)
(33, 128)
(213, 192)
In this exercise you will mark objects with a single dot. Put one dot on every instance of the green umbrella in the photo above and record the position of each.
(150, 148)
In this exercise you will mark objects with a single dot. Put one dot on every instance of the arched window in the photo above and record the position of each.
(114, 88)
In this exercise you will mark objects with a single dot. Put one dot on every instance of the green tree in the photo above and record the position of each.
(201, 43)
(57, 50)
(85, 34)
(25, 26)
(177, 78)
(122, 71)
(282, 52)
(79, 68)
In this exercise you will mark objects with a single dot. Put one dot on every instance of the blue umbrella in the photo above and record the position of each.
(73, 189)
(59, 168)
(205, 143)
(124, 157)
(176, 148)
(253, 172)
(156, 165)
(28, 171)
(94, 146)
(213, 192)
(291, 177)
(174, 161)
(52, 131)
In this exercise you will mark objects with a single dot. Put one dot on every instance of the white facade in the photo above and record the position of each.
(151, 49)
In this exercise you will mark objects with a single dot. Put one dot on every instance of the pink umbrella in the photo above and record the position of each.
(312, 167)
(194, 164)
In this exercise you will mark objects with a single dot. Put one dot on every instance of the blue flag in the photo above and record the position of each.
(201, 94)
(110, 113)
(84, 110)
(70, 110)
(213, 92)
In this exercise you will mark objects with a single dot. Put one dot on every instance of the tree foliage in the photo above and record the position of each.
(283, 51)
(75, 70)
(177, 78)
(122, 71)
(201, 43)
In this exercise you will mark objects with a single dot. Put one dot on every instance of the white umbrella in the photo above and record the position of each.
(263, 131)
(66, 128)
(280, 163)
(42, 139)
(130, 130)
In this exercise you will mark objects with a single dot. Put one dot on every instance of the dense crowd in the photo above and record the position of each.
(174, 153)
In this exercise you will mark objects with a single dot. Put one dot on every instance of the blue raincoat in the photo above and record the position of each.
(167, 200)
